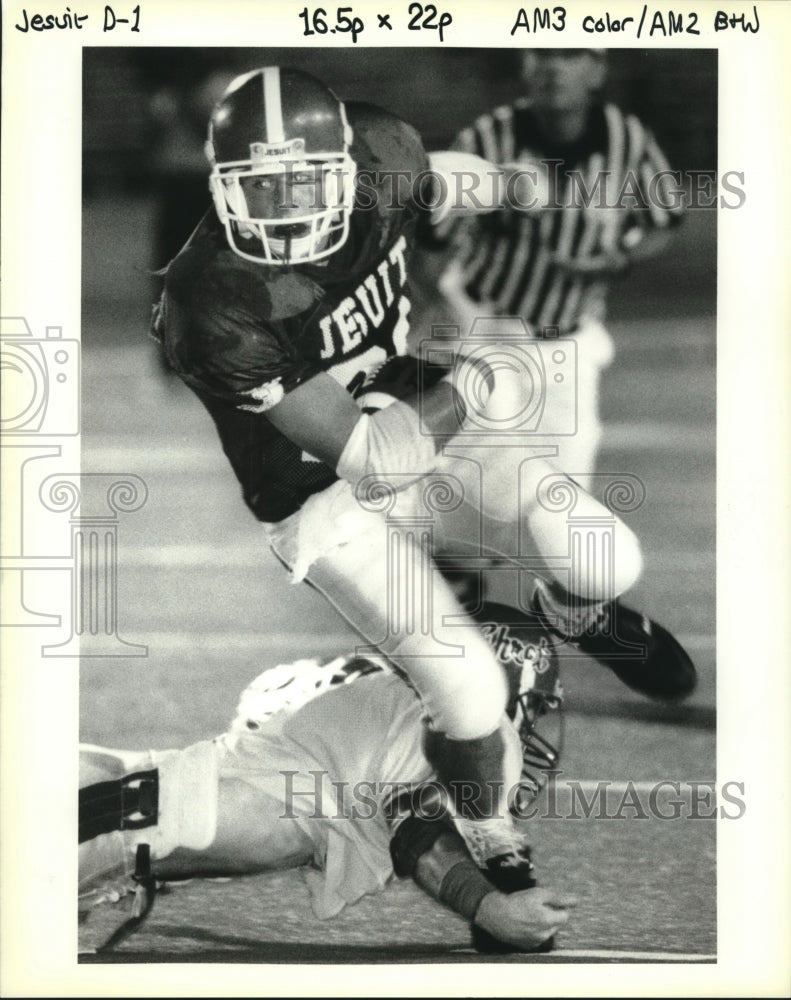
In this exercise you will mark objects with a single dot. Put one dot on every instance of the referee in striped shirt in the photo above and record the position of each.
(608, 199)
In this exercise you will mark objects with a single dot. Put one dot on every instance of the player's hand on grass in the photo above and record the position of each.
(524, 919)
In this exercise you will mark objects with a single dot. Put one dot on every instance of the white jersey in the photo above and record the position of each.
(334, 762)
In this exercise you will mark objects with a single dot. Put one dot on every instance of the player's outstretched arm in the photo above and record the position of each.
(524, 920)
(467, 184)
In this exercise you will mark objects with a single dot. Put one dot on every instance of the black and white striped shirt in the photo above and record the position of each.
(507, 257)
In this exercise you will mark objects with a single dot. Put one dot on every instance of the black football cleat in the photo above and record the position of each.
(509, 873)
(641, 653)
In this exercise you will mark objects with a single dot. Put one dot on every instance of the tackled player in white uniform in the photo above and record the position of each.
(323, 768)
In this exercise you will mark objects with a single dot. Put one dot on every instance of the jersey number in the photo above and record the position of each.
(351, 374)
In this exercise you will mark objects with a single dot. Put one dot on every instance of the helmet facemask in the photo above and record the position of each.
(287, 236)
(541, 751)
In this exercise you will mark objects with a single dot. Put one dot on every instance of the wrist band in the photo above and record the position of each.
(463, 888)
(413, 838)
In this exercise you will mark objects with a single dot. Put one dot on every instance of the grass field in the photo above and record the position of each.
(199, 588)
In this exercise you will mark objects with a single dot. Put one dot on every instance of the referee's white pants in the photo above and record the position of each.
(578, 453)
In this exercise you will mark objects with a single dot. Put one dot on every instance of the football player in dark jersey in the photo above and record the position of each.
(287, 307)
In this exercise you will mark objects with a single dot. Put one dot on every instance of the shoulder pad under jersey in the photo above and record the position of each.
(383, 139)
(210, 272)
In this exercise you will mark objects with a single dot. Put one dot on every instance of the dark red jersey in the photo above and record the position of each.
(242, 334)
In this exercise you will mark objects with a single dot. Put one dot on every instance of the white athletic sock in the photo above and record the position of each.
(570, 614)
(488, 838)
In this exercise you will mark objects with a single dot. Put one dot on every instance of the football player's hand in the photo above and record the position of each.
(524, 919)
(396, 378)
(400, 377)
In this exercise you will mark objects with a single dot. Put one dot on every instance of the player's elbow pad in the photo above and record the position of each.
(388, 443)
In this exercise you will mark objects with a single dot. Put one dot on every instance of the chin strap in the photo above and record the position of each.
(145, 894)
